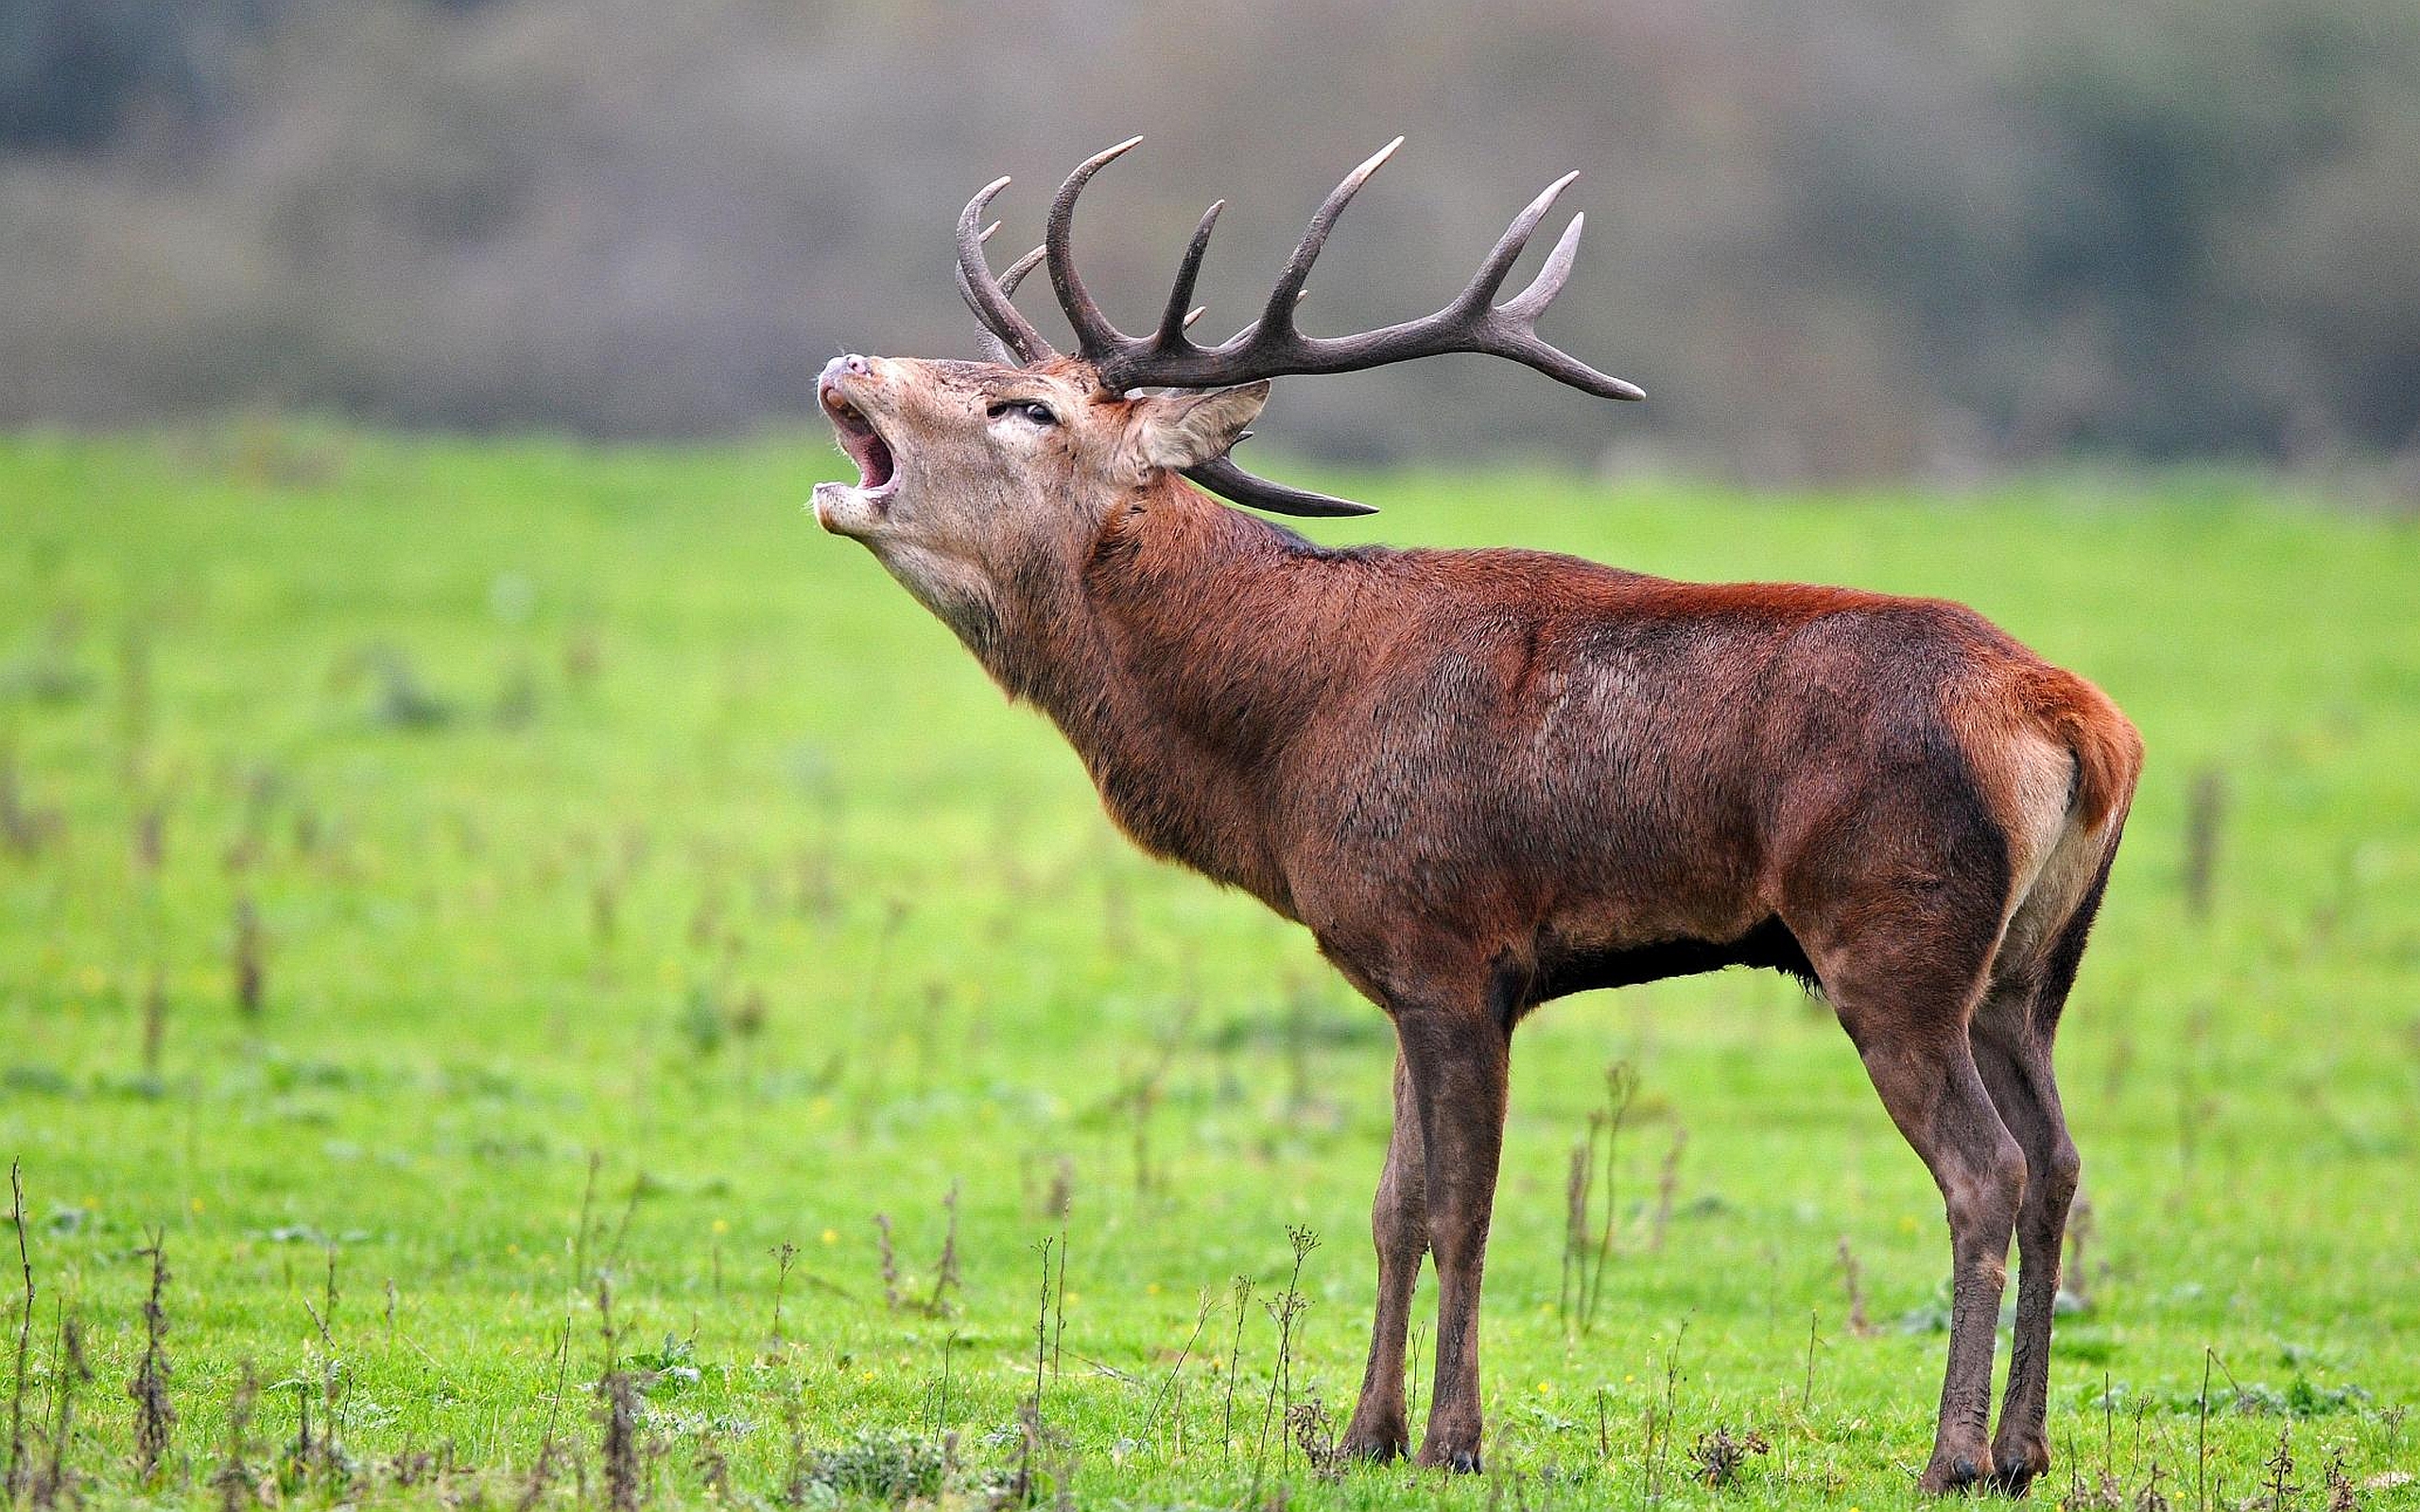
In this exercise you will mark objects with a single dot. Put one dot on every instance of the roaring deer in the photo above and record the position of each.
(1486, 779)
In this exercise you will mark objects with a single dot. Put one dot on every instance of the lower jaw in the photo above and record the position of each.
(848, 512)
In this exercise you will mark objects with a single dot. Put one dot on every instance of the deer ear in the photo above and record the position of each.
(1179, 431)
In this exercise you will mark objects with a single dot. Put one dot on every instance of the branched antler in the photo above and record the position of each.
(1273, 346)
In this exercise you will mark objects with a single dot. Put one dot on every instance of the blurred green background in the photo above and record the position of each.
(1832, 238)
(467, 840)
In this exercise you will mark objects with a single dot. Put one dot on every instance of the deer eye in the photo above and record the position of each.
(1032, 409)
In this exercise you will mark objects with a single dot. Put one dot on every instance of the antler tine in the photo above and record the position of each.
(1527, 346)
(1174, 321)
(1013, 334)
(1242, 340)
(997, 349)
(994, 348)
(1018, 269)
(1490, 276)
(1094, 335)
(1279, 314)
(1222, 477)
(1551, 273)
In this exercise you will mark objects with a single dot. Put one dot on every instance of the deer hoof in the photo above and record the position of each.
(1374, 1449)
(1955, 1474)
(1457, 1461)
(2014, 1468)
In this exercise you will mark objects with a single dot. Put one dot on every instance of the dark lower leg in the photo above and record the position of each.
(1939, 1102)
(2021, 1088)
(1457, 1065)
(1399, 1226)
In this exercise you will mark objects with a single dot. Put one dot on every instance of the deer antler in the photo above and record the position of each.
(1273, 346)
(1014, 342)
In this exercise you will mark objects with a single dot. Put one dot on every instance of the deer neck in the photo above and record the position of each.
(1181, 657)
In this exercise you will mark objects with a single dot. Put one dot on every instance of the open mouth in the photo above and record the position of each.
(876, 469)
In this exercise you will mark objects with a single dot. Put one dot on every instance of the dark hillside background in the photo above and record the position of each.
(1833, 238)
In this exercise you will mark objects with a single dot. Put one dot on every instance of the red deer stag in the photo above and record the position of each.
(1485, 779)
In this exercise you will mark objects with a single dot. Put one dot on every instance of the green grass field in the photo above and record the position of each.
(579, 811)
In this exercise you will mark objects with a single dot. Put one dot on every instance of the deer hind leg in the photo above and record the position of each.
(1381, 1429)
(2015, 1063)
(2012, 1033)
(1904, 1001)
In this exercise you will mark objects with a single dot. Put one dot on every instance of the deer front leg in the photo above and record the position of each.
(1458, 1064)
(1380, 1429)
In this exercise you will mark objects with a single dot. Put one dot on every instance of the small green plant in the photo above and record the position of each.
(667, 1371)
(887, 1466)
(400, 698)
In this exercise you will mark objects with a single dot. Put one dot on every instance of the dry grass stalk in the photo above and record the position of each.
(23, 830)
(56, 1480)
(785, 1256)
(1284, 1310)
(889, 1260)
(15, 1478)
(2076, 1275)
(1058, 1305)
(155, 1019)
(1659, 1425)
(155, 1415)
(2341, 1495)
(1062, 1190)
(1242, 1288)
(236, 1480)
(1042, 1329)
(618, 1408)
(945, 1276)
(1667, 1185)
(1578, 1181)
(250, 958)
(2150, 1497)
(2204, 818)
(1201, 1320)
(2281, 1487)
(1621, 1087)
(1853, 1282)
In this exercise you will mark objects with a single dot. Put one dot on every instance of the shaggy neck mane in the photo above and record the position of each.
(1180, 657)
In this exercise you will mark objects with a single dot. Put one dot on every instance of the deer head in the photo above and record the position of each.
(974, 475)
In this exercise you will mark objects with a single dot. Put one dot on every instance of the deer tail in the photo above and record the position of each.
(2108, 750)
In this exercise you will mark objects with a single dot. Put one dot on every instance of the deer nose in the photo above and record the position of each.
(851, 365)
